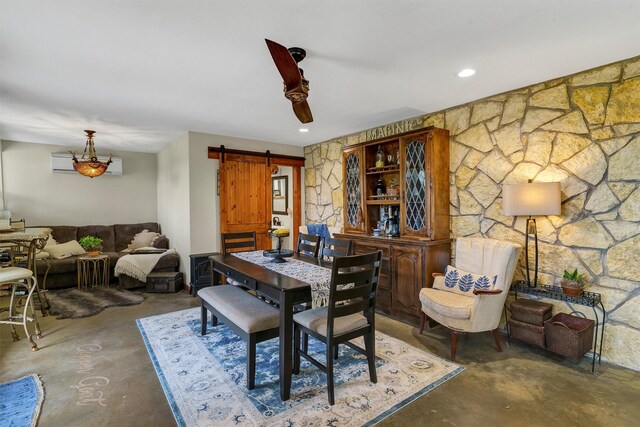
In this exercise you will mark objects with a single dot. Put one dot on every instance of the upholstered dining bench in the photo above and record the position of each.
(249, 317)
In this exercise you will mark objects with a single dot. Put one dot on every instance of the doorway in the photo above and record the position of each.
(282, 202)
(247, 200)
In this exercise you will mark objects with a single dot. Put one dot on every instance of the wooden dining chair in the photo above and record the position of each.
(335, 247)
(350, 314)
(238, 242)
(308, 244)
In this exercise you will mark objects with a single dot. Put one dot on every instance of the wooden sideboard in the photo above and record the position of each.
(407, 265)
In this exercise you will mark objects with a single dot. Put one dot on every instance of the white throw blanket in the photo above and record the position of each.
(139, 266)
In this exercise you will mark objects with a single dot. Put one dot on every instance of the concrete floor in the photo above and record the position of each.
(117, 385)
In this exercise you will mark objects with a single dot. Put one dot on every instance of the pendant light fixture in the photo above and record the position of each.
(89, 165)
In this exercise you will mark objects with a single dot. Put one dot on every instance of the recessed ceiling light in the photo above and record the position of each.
(467, 72)
(303, 130)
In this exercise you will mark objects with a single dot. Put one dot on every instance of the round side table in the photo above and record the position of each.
(93, 271)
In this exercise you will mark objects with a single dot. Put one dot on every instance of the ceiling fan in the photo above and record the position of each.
(296, 87)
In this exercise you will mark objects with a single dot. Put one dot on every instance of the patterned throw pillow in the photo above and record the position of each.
(143, 239)
(463, 282)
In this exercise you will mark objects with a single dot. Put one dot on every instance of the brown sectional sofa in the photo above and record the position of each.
(115, 238)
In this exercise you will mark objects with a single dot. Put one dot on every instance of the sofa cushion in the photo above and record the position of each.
(66, 265)
(105, 232)
(64, 233)
(124, 233)
(113, 257)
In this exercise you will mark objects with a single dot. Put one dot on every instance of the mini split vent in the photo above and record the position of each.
(61, 163)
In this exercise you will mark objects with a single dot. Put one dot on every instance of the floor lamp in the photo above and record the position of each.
(531, 199)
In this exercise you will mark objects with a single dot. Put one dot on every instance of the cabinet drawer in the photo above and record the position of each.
(241, 279)
(366, 247)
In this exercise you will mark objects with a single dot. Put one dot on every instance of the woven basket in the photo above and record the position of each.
(569, 336)
(526, 332)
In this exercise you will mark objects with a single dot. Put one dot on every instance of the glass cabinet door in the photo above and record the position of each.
(416, 191)
(352, 172)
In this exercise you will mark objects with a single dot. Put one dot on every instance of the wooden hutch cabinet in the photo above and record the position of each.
(400, 186)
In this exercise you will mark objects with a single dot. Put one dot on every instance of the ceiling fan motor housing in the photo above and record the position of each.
(297, 53)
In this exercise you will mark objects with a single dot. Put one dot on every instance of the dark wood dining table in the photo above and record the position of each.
(286, 290)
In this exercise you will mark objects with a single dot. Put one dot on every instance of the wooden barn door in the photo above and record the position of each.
(245, 202)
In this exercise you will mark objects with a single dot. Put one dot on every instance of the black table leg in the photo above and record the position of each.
(216, 278)
(286, 346)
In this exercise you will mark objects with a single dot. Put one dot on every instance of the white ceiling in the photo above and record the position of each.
(142, 72)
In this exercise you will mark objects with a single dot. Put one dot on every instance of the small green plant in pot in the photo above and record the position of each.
(573, 283)
(91, 244)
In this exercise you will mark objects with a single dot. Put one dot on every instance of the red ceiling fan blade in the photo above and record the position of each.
(302, 111)
(285, 64)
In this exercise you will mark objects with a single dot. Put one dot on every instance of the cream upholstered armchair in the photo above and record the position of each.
(470, 296)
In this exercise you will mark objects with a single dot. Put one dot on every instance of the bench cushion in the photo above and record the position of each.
(316, 320)
(242, 309)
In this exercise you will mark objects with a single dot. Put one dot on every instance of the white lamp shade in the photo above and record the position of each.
(534, 198)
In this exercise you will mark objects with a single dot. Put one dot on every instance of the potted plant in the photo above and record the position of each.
(573, 283)
(91, 244)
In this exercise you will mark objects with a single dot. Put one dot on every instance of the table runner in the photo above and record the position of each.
(319, 278)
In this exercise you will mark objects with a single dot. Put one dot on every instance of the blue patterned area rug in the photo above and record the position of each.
(20, 402)
(204, 378)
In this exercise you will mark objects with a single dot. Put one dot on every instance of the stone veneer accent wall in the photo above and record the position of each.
(582, 130)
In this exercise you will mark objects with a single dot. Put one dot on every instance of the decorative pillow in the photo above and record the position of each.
(51, 241)
(65, 250)
(143, 239)
(463, 282)
(161, 242)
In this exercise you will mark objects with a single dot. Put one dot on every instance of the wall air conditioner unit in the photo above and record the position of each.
(61, 163)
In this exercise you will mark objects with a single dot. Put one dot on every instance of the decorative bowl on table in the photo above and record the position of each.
(278, 254)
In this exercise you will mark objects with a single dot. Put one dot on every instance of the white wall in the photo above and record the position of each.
(1, 181)
(33, 192)
(173, 197)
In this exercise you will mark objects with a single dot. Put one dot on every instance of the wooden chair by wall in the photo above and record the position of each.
(308, 244)
(350, 314)
(238, 242)
(335, 247)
